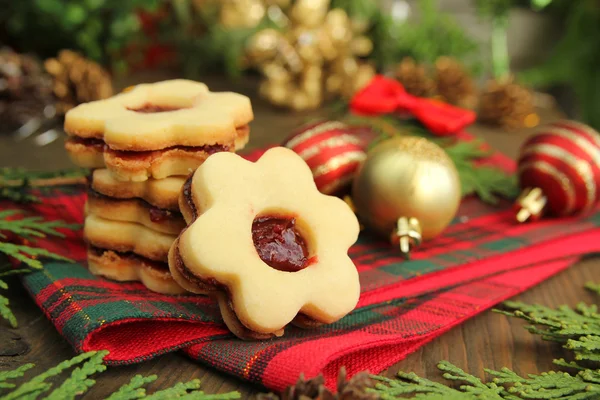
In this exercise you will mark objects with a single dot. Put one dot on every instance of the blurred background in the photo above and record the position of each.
(505, 59)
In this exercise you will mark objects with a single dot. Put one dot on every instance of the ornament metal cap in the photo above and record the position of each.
(530, 205)
(407, 235)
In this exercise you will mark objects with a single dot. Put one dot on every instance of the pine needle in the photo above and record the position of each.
(30, 227)
(190, 390)
(26, 228)
(24, 253)
(14, 374)
(134, 389)
(550, 385)
(16, 184)
(79, 381)
(410, 384)
(594, 287)
(5, 311)
(577, 328)
(38, 385)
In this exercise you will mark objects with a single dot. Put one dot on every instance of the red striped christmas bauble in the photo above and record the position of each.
(332, 150)
(559, 171)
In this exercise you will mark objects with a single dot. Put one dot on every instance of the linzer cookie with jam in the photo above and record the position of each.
(127, 266)
(130, 227)
(160, 193)
(157, 130)
(134, 210)
(266, 244)
(123, 249)
(126, 237)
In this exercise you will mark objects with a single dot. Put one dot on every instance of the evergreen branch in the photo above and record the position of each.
(435, 34)
(190, 390)
(549, 385)
(80, 382)
(134, 389)
(27, 228)
(38, 384)
(411, 384)
(561, 362)
(30, 227)
(16, 183)
(3, 285)
(6, 313)
(585, 348)
(594, 287)
(13, 374)
(27, 254)
(473, 385)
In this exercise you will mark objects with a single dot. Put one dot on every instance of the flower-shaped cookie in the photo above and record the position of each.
(162, 115)
(267, 243)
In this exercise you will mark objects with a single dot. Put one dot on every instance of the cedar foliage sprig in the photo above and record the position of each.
(487, 182)
(16, 184)
(27, 228)
(80, 382)
(577, 329)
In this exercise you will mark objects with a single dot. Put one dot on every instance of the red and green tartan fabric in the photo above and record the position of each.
(481, 259)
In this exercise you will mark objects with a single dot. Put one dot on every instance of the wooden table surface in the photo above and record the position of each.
(488, 340)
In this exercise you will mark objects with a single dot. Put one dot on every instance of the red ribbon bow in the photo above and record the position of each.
(385, 95)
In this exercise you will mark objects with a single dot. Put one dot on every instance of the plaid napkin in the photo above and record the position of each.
(480, 260)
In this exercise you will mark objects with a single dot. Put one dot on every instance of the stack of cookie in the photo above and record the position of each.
(141, 145)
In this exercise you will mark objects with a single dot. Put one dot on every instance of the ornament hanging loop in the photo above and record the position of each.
(530, 205)
(407, 235)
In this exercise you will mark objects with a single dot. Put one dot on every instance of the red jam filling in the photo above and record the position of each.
(137, 155)
(279, 244)
(153, 108)
(187, 194)
(160, 214)
(156, 214)
(97, 144)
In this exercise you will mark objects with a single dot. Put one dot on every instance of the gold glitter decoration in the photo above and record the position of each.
(314, 58)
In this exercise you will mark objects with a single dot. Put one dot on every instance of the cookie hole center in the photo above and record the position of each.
(279, 242)
(149, 108)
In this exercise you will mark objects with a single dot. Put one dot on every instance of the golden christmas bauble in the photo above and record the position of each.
(407, 189)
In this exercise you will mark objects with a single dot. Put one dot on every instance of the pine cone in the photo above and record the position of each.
(76, 80)
(25, 89)
(355, 388)
(507, 104)
(454, 84)
(312, 389)
(414, 78)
